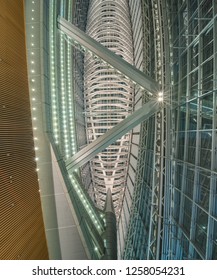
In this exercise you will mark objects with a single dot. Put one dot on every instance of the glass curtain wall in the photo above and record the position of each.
(194, 43)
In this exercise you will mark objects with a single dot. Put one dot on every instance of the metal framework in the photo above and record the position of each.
(148, 200)
(182, 209)
(109, 97)
(177, 161)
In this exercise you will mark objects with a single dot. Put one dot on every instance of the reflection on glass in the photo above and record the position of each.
(205, 149)
(191, 147)
(189, 187)
(206, 104)
(193, 111)
(203, 190)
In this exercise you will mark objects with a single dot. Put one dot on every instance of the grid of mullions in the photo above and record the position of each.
(194, 96)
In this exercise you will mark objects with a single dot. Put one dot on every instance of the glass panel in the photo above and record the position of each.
(205, 149)
(189, 183)
(196, 256)
(192, 7)
(193, 28)
(186, 223)
(203, 190)
(185, 246)
(191, 147)
(194, 56)
(183, 89)
(176, 72)
(214, 210)
(183, 19)
(207, 79)
(175, 24)
(206, 112)
(201, 229)
(194, 84)
(214, 249)
(207, 44)
(181, 145)
(179, 176)
(184, 65)
(193, 110)
(206, 11)
(176, 208)
(182, 118)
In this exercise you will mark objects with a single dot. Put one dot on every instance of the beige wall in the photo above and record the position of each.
(22, 233)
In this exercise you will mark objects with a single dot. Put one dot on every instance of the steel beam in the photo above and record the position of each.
(110, 57)
(112, 135)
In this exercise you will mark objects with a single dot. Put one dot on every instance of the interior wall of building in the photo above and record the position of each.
(22, 233)
(193, 29)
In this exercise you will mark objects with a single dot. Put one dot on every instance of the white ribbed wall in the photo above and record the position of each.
(109, 97)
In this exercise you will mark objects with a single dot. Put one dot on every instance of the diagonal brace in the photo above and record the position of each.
(115, 133)
(110, 57)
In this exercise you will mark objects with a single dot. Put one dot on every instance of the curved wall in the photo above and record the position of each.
(108, 97)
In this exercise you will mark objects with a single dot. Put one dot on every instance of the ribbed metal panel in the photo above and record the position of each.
(21, 225)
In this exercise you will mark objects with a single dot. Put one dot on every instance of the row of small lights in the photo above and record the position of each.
(54, 108)
(67, 107)
(53, 79)
(87, 206)
(72, 140)
(32, 79)
(70, 101)
(64, 98)
(68, 141)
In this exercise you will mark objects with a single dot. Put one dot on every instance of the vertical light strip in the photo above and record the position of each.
(54, 106)
(70, 90)
(33, 91)
(64, 92)
(63, 97)
(88, 207)
(70, 102)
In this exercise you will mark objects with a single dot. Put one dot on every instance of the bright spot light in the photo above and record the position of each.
(160, 96)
